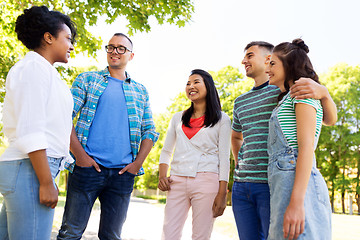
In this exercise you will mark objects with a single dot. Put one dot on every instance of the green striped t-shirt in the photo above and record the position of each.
(252, 111)
(287, 118)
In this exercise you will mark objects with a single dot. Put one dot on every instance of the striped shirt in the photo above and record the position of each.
(287, 118)
(87, 89)
(252, 111)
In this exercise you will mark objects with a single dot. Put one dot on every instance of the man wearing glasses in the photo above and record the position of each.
(114, 134)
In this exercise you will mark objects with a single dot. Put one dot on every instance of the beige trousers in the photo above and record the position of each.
(199, 193)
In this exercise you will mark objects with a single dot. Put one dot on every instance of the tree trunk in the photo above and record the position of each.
(357, 197)
(343, 200)
(332, 197)
(342, 185)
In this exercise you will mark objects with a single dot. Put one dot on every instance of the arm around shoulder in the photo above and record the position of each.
(329, 108)
(308, 88)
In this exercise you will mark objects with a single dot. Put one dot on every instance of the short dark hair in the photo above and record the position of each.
(123, 35)
(213, 106)
(296, 62)
(268, 46)
(35, 21)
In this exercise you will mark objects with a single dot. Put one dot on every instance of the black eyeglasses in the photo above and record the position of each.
(119, 49)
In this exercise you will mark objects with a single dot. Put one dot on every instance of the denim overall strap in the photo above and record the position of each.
(277, 142)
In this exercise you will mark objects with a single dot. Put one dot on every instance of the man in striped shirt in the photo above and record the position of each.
(252, 111)
(114, 134)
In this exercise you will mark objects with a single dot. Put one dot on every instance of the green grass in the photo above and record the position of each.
(160, 199)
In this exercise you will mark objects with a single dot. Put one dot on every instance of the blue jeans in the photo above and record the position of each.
(22, 216)
(85, 185)
(251, 207)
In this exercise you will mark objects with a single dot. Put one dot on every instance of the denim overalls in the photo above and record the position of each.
(281, 176)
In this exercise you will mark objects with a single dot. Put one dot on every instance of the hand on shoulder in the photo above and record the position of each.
(308, 88)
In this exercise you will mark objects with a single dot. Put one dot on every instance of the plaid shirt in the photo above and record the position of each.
(87, 89)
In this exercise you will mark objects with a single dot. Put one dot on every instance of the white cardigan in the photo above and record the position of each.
(207, 151)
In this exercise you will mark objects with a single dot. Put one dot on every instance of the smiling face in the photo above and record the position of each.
(116, 60)
(255, 61)
(62, 45)
(195, 88)
(276, 72)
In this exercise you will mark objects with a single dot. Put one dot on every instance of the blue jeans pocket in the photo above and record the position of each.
(9, 171)
(86, 178)
(83, 170)
(54, 164)
(131, 174)
(286, 163)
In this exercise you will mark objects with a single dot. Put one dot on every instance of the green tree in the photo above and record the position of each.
(338, 151)
(354, 98)
(87, 13)
(11, 49)
(230, 84)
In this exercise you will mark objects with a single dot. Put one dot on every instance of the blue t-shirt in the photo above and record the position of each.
(109, 134)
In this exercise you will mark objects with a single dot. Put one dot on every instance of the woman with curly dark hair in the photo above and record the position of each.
(37, 122)
(299, 198)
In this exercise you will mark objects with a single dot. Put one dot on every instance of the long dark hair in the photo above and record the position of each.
(295, 61)
(213, 107)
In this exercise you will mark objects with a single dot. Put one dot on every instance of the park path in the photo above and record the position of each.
(144, 222)
(145, 219)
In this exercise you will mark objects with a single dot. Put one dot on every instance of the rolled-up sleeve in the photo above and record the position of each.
(29, 93)
(148, 130)
(78, 92)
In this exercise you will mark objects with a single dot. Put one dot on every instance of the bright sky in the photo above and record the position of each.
(219, 31)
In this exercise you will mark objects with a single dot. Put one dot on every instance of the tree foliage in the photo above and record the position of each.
(85, 13)
(11, 49)
(338, 152)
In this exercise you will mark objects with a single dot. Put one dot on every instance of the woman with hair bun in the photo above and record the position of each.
(37, 122)
(299, 198)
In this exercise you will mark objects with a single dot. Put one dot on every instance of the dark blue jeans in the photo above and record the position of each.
(251, 207)
(113, 191)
